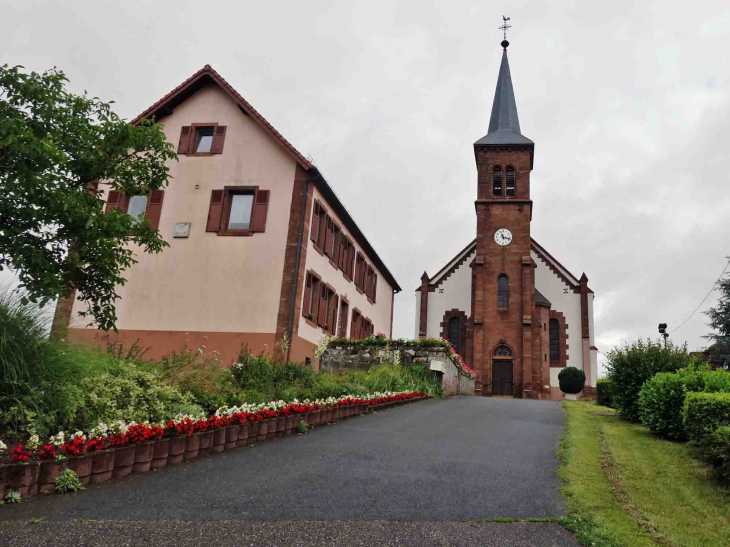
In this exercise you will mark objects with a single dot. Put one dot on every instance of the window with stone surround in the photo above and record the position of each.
(502, 291)
(554, 340)
(497, 181)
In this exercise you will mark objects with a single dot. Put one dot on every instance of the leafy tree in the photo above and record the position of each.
(720, 322)
(57, 151)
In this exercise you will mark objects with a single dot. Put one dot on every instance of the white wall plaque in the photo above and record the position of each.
(182, 229)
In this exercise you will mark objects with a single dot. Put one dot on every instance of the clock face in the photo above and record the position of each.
(503, 237)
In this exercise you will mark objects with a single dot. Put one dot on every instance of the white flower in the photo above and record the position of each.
(58, 439)
(33, 443)
(3, 447)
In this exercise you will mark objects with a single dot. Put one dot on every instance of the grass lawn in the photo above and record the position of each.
(626, 487)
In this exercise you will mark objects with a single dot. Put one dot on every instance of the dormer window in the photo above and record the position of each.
(510, 181)
(497, 181)
(204, 139)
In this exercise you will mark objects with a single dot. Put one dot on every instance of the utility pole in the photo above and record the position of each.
(663, 332)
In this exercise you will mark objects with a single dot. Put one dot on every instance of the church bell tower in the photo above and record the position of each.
(503, 271)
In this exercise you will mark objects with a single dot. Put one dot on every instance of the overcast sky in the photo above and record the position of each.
(628, 104)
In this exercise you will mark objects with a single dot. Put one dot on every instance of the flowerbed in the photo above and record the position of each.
(115, 450)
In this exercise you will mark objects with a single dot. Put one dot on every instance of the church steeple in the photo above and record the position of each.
(504, 125)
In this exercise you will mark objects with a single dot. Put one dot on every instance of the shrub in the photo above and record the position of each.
(661, 399)
(632, 365)
(716, 451)
(704, 413)
(68, 481)
(603, 392)
(572, 380)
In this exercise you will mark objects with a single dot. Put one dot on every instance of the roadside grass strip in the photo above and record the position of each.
(623, 486)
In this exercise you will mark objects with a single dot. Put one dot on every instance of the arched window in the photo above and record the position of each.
(497, 181)
(554, 340)
(137, 207)
(510, 181)
(502, 291)
(502, 351)
(455, 334)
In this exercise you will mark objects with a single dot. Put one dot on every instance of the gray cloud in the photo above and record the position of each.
(627, 103)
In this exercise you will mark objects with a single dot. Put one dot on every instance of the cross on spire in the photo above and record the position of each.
(504, 28)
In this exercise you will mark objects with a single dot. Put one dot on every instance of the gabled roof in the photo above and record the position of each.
(504, 124)
(557, 268)
(165, 106)
(206, 75)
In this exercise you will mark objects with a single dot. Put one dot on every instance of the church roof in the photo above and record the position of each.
(504, 125)
(540, 299)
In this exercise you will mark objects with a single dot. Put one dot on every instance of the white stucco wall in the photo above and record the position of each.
(206, 282)
(379, 312)
(456, 295)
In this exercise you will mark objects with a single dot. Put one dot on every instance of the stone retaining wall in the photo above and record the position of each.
(453, 380)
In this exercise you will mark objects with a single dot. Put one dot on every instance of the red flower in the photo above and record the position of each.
(96, 444)
(75, 447)
(48, 452)
(20, 455)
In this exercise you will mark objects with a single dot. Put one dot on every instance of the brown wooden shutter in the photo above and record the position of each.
(334, 300)
(112, 200)
(214, 212)
(154, 208)
(328, 238)
(322, 230)
(375, 285)
(322, 315)
(315, 222)
(336, 251)
(185, 134)
(218, 138)
(260, 211)
(307, 295)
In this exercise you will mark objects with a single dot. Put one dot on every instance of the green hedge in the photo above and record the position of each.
(661, 399)
(716, 451)
(704, 413)
(603, 392)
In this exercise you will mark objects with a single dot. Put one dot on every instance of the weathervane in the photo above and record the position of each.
(504, 28)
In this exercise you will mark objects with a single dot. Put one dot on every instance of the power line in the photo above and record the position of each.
(703, 300)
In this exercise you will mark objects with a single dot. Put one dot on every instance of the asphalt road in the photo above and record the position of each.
(427, 465)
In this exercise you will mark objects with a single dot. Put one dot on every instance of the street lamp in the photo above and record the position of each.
(663, 332)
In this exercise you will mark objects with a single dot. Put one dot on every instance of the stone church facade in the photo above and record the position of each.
(516, 315)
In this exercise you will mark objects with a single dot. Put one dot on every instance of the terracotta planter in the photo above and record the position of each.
(253, 431)
(176, 451)
(143, 457)
(271, 430)
(263, 430)
(160, 454)
(23, 478)
(123, 461)
(316, 417)
(206, 442)
(289, 423)
(3, 475)
(307, 418)
(50, 469)
(219, 441)
(280, 425)
(243, 432)
(192, 446)
(231, 436)
(102, 466)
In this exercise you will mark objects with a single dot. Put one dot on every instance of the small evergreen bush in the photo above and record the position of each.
(571, 380)
(716, 451)
(603, 392)
(632, 365)
(704, 413)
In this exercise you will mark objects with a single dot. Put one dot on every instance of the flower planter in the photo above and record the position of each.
(143, 457)
(81, 465)
(160, 454)
(280, 425)
(263, 430)
(290, 423)
(123, 461)
(243, 432)
(206, 442)
(50, 469)
(102, 466)
(271, 430)
(192, 446)
(176, 451)
(231, 436)
(219, 441)
(308, 418)
(22, 478)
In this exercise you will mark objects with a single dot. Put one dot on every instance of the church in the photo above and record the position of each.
(513, 312)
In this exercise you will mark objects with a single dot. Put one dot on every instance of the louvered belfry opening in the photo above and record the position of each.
(497, 181)
(510, 181)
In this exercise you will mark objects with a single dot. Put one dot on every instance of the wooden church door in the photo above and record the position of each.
(502, 378)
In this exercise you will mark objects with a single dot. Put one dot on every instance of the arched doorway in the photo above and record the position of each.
(502, 372)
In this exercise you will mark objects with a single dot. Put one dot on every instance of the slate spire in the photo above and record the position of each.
(504, 125)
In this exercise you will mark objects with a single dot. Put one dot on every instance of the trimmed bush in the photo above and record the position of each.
(716, 451)
(603, 392)
(632, 365)
(704, 413)
(572, 380)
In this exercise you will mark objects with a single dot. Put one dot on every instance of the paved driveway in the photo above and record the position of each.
(438, 460)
